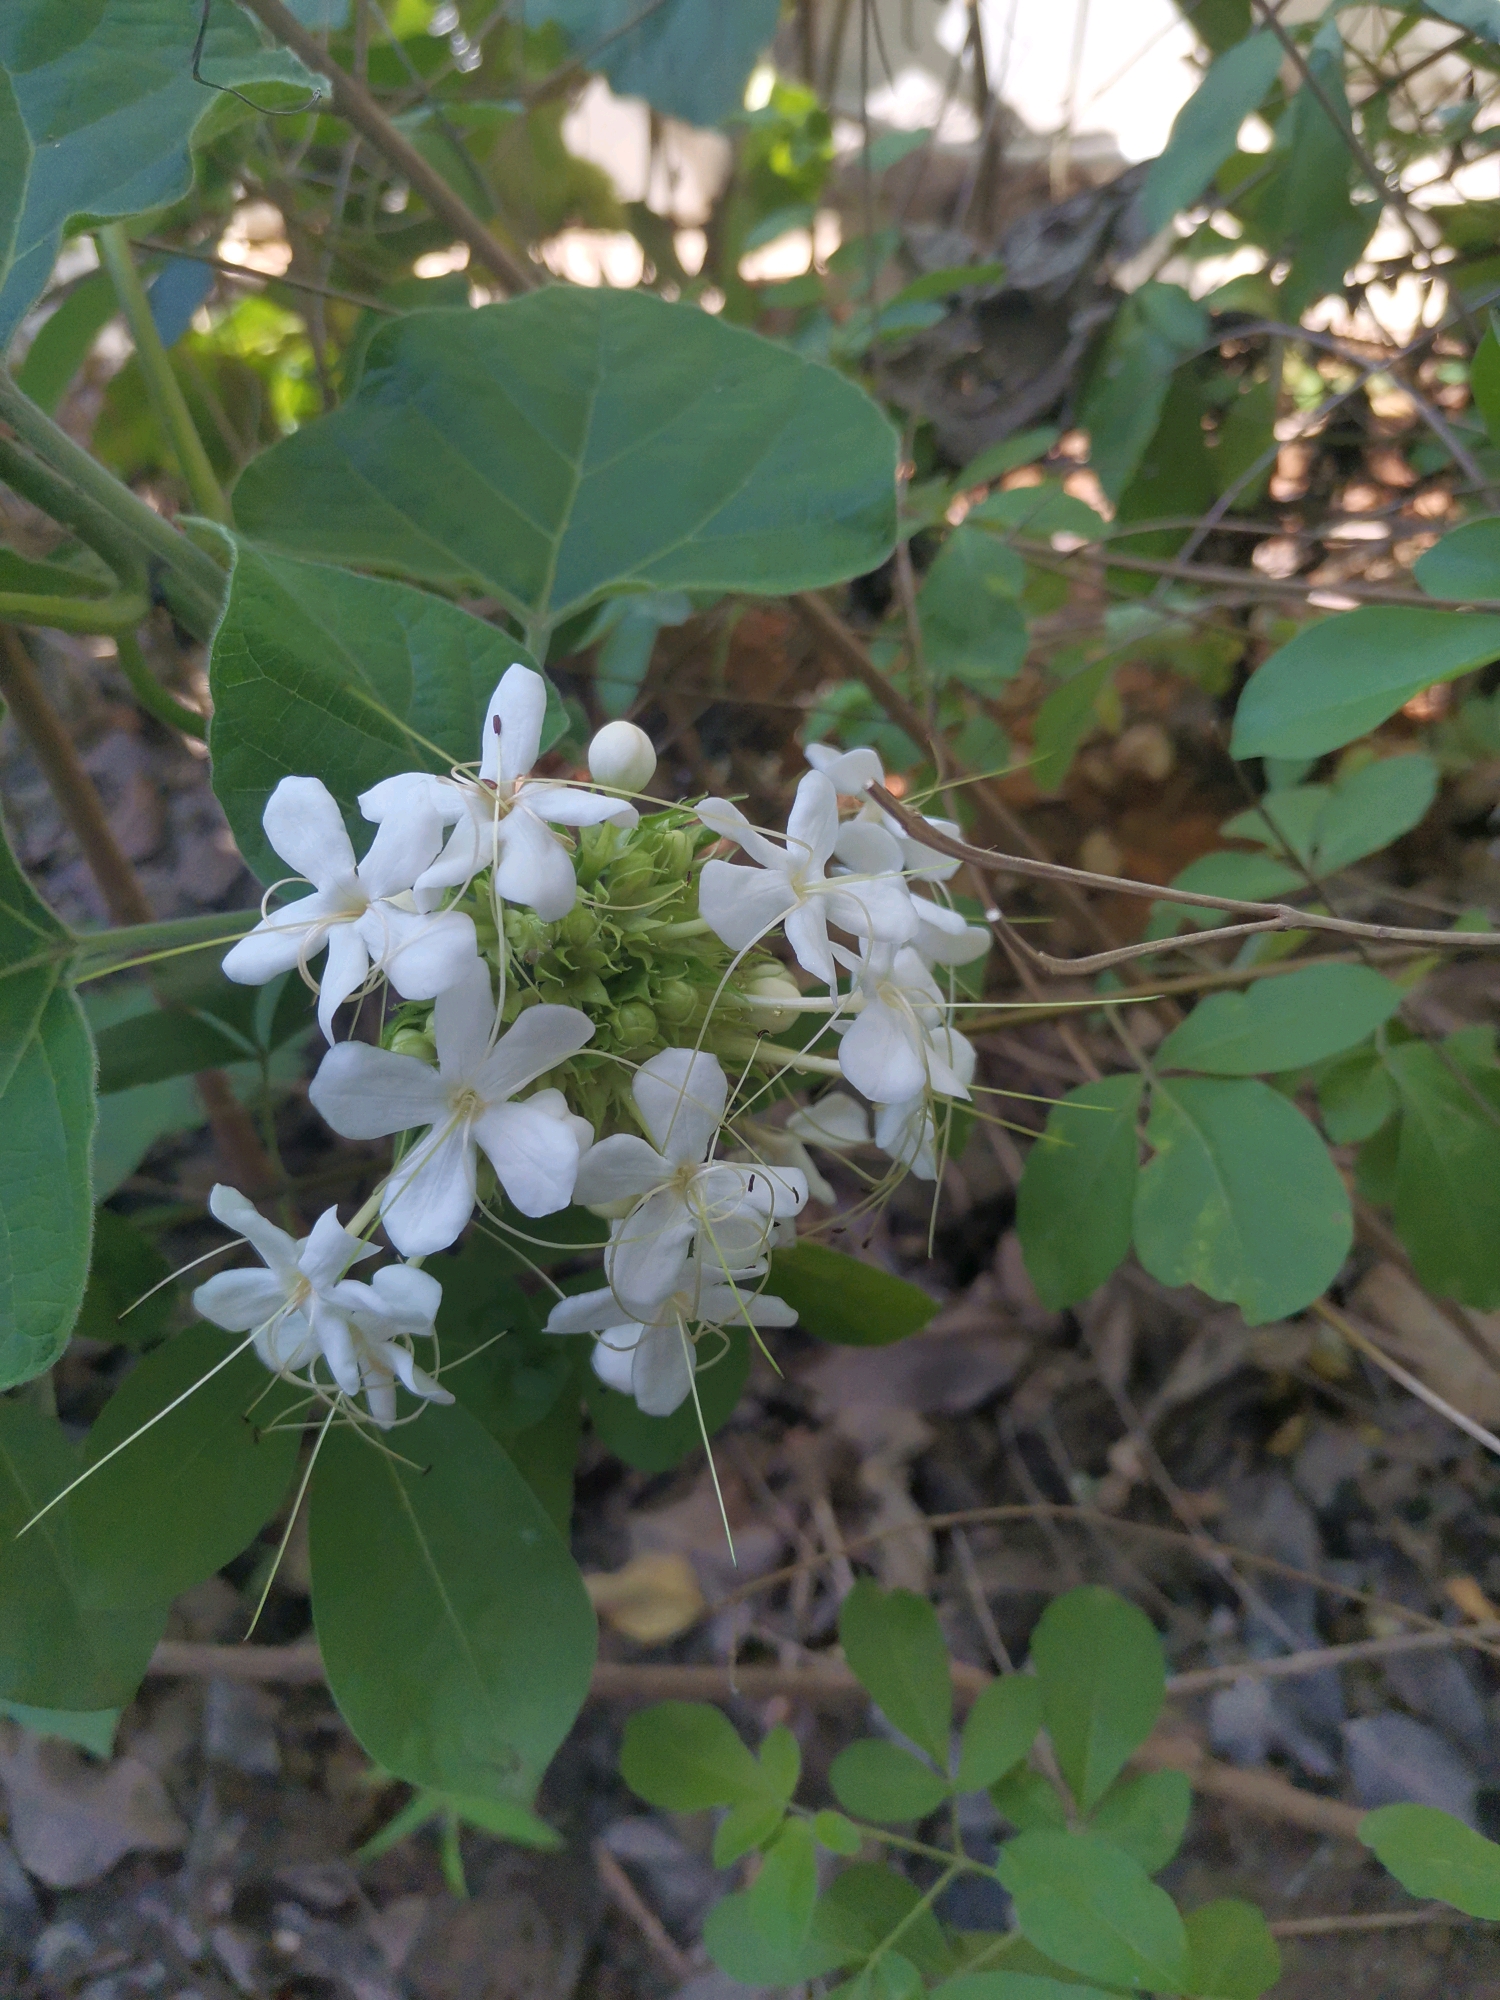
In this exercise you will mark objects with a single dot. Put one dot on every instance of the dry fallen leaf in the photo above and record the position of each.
(653, 1598)
(71, 1820)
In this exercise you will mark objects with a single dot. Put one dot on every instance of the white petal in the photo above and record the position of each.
(880, 1057)
(721, 1305)
(614, 1365)
(741, 905)
(681, 1098)
(620, 1169)
(846, 770)
(662, 1377)
(806, 930)
(366, 1093)
(540, 1039)
(835, 1120)
(519, 706)
(570, 805)
(463, 1020)
(306, 828)
(421, 956)
(272, 948)
(533, 867)
(277, 1250)
(879, 908)
(730, 823)
(412, 793)
(929, 864)
(430, 1194)
(347, 968)
(380, 1399)
(287, 1344)
(646, 1254)
(950, 1061)
(868, 849)
(329, 1251)
(405, 843)
(336, 1338)
(584, 1312)
(906, 1134)
(408, 1298)
(471, 846)
(535, 1156)
(813, 824)
(239, 1300)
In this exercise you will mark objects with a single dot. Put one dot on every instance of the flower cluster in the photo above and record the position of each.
(575, 986)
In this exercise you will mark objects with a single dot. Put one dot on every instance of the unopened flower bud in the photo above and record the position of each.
(414, 1042)
(674, 1001)
(769, 988)
(621, 757)
(635, 1024)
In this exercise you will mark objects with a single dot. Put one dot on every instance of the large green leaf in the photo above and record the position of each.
(1087, 1905)
(895, 1649)
(1147, 1815)
(1283, 1023)
(321, 673)
(687, 60)
(456, 1631)
(998, 1730)
(1447, 1194)
(193, 1484)
(46, 1126)
(845, 1300)
(59, 1646)
(1205, 131)
(1241, 1198)
(1076, 1198)
(1103, 1677)
(1343, 676)
(1305, 211)
(1431, 1853)
(109, 104)
(573, 443)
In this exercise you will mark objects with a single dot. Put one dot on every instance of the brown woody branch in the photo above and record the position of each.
(1262, 916)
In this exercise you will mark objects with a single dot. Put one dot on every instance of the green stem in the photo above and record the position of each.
(162, 386)
(119, 612)
(98, 953)
(150, 693)
(109, 517)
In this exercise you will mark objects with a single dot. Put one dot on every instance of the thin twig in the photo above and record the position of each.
(252, 276)
(627, 1898)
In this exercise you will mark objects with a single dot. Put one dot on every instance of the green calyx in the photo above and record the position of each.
(632, 953)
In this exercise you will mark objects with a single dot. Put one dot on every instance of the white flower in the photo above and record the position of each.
(502, 818)
(790, 883)
(652, 1359)
(463, 1104)
(678, 1193)
(907, 1133)
(622, 757)
(354, 908)
(301, 1306)
(895, 1047)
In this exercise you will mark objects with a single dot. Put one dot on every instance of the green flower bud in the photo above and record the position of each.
(674, 1001)
(578, 927)
(413, 1042)
(635, 1024)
